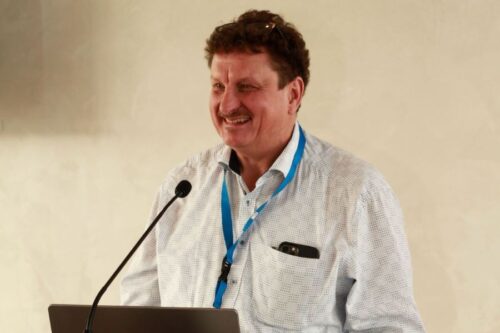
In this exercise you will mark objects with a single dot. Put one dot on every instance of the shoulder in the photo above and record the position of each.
(205, 159)
(341, 166)
(196, 169)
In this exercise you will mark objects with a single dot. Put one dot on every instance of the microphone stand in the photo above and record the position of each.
(182, 189)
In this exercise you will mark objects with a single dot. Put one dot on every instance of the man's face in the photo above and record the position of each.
(250, 113)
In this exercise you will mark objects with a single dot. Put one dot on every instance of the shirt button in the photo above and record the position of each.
(242, 242)
(248, 202)
(233, 281)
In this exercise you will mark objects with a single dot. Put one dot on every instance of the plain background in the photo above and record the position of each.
(100, 98)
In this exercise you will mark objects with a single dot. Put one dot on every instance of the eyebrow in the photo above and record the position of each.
(246, 78)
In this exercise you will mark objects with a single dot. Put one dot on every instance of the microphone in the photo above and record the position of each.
(181, 190)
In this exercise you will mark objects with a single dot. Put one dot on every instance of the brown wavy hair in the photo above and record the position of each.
(257, 31)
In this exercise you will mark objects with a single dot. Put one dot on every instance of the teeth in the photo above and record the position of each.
(239, 120)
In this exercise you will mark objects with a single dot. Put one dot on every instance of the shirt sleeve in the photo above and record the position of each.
(140, 284)
(381, 298)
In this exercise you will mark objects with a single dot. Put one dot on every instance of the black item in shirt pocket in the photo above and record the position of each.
(299, 250)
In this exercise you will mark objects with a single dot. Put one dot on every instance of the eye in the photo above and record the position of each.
(217, 87)
(244, 87)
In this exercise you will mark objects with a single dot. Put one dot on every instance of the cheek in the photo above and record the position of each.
(215, 119)
(213, 104)
(273, 111)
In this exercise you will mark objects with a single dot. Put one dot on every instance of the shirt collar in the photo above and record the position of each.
(282, 163)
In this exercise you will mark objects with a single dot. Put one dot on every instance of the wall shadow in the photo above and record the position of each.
(47, 68)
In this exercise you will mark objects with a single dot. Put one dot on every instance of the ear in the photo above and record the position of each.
(295, 93)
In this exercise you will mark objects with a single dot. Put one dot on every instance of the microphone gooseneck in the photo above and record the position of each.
(181, 190)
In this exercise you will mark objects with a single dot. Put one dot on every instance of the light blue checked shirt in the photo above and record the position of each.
(339, 204)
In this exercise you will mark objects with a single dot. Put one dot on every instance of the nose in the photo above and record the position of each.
(229, 101)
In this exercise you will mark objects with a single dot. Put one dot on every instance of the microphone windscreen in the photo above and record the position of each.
(183, 188)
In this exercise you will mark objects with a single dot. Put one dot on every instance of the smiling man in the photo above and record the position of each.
(310, 237)
(251, 112)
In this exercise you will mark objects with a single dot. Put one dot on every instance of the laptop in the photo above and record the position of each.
(143, 319)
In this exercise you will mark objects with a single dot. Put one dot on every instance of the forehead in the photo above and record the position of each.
(241, 64)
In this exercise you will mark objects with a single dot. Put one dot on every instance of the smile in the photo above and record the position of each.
(236, 120)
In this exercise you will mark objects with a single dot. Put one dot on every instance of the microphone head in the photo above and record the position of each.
(183, 188)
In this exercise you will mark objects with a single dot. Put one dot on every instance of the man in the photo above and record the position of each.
(311, 238)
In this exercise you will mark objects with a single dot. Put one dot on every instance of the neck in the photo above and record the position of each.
(253, 166)
(252, 169)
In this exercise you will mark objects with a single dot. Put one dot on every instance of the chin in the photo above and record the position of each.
(234, 143)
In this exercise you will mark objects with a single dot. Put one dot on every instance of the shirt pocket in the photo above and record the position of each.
(284, 293)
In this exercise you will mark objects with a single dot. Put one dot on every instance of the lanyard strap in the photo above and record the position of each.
(227, 220)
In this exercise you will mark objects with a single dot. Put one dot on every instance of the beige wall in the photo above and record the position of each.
(98, 99)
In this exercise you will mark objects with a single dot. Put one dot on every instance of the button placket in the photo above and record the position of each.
(249, 203)
(239, 276)
(247, 206)
(236, 275)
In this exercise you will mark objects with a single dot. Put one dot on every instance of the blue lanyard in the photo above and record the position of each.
(227, 221)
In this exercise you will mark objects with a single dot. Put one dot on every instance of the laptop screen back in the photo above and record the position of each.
(140, 319)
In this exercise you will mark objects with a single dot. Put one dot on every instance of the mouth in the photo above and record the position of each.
(236, 120)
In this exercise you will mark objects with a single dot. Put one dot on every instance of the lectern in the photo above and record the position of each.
(141, 319)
